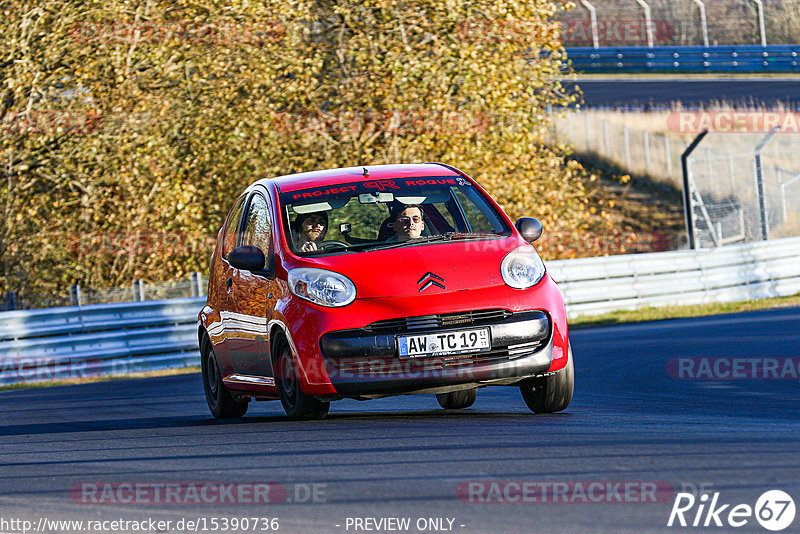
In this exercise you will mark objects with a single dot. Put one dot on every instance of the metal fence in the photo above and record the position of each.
(680, 22)
(744, 188)
(124, 338)
(77, 342)
(634, 150)
(139, 290)
(748, 271)
(687, 59)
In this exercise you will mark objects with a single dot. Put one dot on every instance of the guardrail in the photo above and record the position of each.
(593, 286)
(99, 339)
(684, 59)
(103, 339)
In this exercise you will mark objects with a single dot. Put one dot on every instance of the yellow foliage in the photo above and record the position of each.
(165, 113)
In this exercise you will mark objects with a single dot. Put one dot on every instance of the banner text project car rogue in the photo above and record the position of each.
(372, 281)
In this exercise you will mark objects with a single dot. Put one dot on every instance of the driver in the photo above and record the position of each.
(309, 230)
(407, 222)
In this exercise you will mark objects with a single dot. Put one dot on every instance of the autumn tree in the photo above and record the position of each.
(128, 129)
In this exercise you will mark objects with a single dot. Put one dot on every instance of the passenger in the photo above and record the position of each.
(407, 222)
(309, 230)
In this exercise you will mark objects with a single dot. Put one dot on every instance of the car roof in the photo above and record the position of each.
(303, 180)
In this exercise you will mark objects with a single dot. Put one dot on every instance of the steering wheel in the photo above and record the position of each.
(326, 245)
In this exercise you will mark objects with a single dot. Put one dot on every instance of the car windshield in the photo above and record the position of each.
(372, 215)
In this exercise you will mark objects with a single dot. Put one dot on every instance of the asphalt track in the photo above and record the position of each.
(644, 93)
(402, 457)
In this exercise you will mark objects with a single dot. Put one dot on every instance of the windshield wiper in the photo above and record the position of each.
(449, 236)
(410, 242)
(474, 235)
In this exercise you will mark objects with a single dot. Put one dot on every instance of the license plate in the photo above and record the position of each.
(444, 343)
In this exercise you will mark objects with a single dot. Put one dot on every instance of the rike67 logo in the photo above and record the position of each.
(774, 510)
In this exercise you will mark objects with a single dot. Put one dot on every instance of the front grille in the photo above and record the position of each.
(432, 322)
(393, 366)
(371, 352)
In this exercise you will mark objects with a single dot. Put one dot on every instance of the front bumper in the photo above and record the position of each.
(366, 361)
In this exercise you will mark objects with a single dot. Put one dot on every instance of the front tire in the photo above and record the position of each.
(298, 405)
(456, 400)
(548, 394)
(220, 401)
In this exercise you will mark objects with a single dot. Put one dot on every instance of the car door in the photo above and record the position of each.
(251, 297)
(220, 288)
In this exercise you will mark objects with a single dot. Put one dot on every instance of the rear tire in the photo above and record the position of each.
(220, 401)
(456, 400)
(298, 405)
(548, 394)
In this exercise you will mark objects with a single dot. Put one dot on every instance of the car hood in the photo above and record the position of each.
(405, 271)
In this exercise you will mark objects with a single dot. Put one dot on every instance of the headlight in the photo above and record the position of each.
(522, 268)
(325, 288)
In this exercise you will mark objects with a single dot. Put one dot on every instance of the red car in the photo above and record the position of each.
(372, 281)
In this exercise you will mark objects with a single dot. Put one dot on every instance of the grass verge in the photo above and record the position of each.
(105, 378)
(678, 312)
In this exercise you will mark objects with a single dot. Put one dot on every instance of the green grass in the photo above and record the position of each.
(677, 312)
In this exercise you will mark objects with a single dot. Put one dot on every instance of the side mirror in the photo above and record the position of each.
(530, 228)
(247, 258)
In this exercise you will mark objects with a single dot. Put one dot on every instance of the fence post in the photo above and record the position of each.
(627, 141)
(783, 192)
(762, 204)
(687, 195)
(730, 173)
(742, 228)
(593, 16)
(11, 301)
(648, 22)
(75, 295)
(197, 284)
(783, 202)
(588, 132)
(668, 155)
(762, 201)
(703, 21)
(138, 291)
(761, 29)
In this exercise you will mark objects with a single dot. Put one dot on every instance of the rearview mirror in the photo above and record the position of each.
(372, 198)
(530, 228)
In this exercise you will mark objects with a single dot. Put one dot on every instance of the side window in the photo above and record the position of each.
(258, 227)
(478, 212)
(232, 227)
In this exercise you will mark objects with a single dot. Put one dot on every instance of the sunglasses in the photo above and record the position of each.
(408, 220)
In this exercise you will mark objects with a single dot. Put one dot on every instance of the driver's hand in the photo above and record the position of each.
(308, 246)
